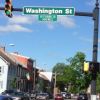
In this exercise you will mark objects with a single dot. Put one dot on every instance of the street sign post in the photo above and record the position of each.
(50, 11)
(47, 17)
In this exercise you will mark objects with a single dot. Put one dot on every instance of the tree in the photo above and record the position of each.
(71, 74)
(98, 83)
(82, 79)
(59, 70)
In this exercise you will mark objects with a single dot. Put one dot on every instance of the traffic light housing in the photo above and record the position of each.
(86, 67)
(90, 66)
(94, 67)
(8, 8)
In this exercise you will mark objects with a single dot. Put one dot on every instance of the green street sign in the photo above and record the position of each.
(47, 17)
(50, 11)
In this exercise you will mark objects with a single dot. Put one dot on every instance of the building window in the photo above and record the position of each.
(1, 69)
(1, 84)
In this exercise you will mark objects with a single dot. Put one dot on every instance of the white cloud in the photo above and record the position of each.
(66, 21)
(18, 19)
(14, 28)
(15, 24)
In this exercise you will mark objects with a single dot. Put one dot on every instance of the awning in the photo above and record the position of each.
(46, 75)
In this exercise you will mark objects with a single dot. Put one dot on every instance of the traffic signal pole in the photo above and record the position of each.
(95, 49)
(95, 16)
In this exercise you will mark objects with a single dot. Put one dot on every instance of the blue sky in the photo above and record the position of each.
(48, 42)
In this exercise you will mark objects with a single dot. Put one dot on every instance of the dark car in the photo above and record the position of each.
(68, 96)
(59, 97)
(82, 96)
(32, 95)
(42, 96)
(16, 95)
(4, 97)
(8, 92)
(63, 94)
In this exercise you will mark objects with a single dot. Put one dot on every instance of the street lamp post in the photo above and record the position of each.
(55, 81)
(55, 76)
(34, 74)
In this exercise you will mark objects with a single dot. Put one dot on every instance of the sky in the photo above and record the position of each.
(50, 42)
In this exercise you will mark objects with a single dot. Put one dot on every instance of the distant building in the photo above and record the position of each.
(14, 74)
(29, 65)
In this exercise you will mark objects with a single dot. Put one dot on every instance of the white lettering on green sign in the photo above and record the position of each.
(42, 10)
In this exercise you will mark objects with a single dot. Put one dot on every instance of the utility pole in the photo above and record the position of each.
(95, 49)
(55, 76)
(34, 86)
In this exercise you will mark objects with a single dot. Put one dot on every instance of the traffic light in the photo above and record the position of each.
(8, 8)
(86, 67)
(91, 66)
(94, 67)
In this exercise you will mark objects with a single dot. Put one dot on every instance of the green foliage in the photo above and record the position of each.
(71, 75)
(77, 61)
(98, 83)
(59, 68)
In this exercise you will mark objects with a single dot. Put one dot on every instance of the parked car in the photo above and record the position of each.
(42, 96)
(82, 96)
(4, 97)
(68, 96)
(16, 95)
(8, 92)
(63, 94)
(32, 95)
(59, 97)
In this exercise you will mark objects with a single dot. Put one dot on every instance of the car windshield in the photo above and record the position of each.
(68, 94)
(82, 94)
(9, 91)
(19, 93)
